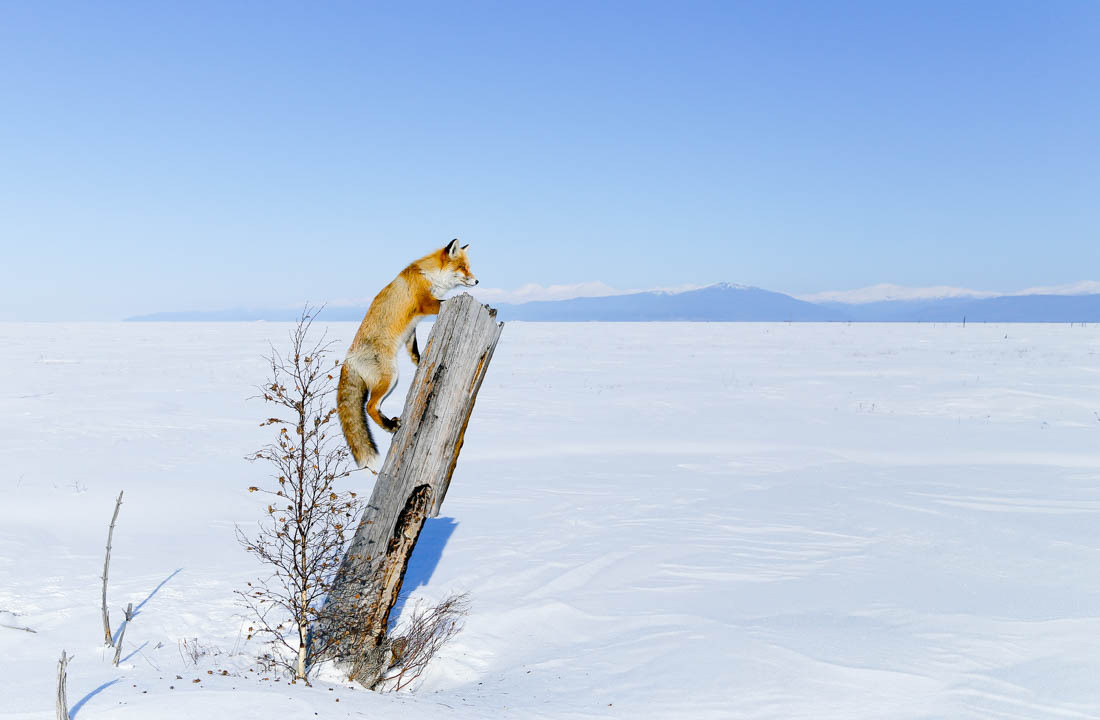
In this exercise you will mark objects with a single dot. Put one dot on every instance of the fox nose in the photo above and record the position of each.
(476, 281)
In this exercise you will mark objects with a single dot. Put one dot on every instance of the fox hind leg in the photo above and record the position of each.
(414, 351)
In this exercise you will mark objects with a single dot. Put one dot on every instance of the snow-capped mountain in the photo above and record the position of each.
(719, 302)
(728, 302)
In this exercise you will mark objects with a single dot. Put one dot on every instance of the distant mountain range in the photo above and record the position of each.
(726, 302)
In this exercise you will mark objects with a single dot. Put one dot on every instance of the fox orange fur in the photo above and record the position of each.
(369, 373)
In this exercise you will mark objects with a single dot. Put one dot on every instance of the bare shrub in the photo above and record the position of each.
(427, 630)
(191, 650)
(302, 535)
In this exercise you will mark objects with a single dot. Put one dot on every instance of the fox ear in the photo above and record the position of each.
(452, 248)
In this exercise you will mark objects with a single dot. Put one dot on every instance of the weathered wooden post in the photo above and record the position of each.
(412, 483)
(62, 704)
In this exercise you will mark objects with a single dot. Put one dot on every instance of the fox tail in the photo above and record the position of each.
(351, 394)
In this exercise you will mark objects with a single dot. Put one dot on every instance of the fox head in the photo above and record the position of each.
(453, 269)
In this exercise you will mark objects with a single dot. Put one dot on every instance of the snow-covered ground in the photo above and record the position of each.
(652, 521)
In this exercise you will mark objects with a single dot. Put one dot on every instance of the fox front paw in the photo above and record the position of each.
(392, 424)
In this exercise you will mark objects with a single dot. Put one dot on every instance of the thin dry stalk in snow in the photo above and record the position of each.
(122, 631)
(192, 650)
(62, 681)
(106, 566)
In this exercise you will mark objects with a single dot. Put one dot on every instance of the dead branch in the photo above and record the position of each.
(107, 640)
(122, 631)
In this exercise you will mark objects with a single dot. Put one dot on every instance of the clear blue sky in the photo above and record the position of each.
(159, 156)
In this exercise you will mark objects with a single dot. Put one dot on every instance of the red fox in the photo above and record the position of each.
(370, 369)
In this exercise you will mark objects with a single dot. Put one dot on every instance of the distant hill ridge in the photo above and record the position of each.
(727, 302)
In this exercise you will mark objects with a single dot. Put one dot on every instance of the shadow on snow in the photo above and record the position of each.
(429, 549)
(140, 605)
(76, 708)
(135, 651)
(137, 610)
